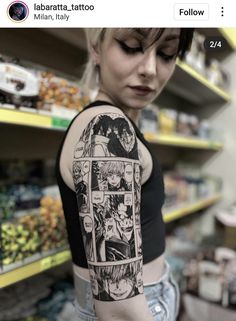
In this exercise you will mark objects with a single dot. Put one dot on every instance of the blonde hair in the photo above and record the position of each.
(94, 37)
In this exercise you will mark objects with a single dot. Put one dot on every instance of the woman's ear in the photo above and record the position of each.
(95, 53)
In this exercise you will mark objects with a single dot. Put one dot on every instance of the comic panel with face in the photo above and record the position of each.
(81, 170)
(137, 192)
(116, 282)
(107, 135)
(86, 224)
(114, 226)
(112, 176)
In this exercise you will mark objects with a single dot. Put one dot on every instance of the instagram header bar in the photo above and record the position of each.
(119, 13)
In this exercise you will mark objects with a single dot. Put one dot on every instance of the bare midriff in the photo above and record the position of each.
(152, 271)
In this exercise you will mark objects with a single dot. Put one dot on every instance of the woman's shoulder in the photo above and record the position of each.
(95, 116)
(95, 110)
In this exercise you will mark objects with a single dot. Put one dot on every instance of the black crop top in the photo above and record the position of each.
(152, 199)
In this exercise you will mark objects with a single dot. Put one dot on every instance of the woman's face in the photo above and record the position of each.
(131, 75)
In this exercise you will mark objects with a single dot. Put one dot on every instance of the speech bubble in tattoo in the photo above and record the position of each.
(97, 197)
(88, 224)
(128, 173)
(79, 149)
(86, 167)
(128, 199)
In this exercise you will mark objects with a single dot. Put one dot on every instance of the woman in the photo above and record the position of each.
(129, 68)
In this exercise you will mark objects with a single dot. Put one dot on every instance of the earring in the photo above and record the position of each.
(96, 69)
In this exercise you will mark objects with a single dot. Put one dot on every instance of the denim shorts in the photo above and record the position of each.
(162, 298)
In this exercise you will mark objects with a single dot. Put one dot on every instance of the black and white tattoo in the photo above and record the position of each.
(111, 176)
(108, 135)
(87, 225)
(139, 241)
(114, 227)
(137, 191)
(107, 179)
(116, 282)
(81, 171)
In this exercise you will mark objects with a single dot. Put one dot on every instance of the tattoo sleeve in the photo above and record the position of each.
(107, 179)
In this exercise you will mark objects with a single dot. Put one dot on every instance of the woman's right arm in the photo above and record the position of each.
(111, 226)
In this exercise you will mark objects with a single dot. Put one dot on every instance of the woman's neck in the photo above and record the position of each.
(133, 114)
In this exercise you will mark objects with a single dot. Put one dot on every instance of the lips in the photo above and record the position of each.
(141, 90)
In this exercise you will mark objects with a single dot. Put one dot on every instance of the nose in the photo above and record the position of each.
(148, 65)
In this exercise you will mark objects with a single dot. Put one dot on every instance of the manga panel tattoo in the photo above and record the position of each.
(114, 227)
(86, 224)
(107, 179)
(137, 192)
(81, 178)
(116, 282)
(139, 241)
(111, 176)
(108, 135)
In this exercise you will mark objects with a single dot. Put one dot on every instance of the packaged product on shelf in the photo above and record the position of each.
(26, 196)
(194, 125)
(230, 275)
(148, 121)
(196, 57)
(167, 119)
(216, 74)
(184, 127)
(7, 205)
(210, 281)
(176, 189)
(63, 97)
(20, 239)
(18, 85)
(227, 219)
(33, 233)
(18, 197)
(52, 224)
(224, 254)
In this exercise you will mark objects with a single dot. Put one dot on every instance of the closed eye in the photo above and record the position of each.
(127, 49)
(167, 58)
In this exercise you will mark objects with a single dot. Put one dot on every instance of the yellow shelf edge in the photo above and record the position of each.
(230, 35)
(191, 208)
(34, 268)
(18, 117)
(195, 74)
(175, 140)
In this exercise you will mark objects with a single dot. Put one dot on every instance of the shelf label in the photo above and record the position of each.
(60, 122)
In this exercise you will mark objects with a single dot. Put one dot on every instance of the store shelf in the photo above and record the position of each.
(34, 268)
(28, 118)
(194, 87)
(230, 35)
(31, 117)
(186, 209)
(181, 141)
